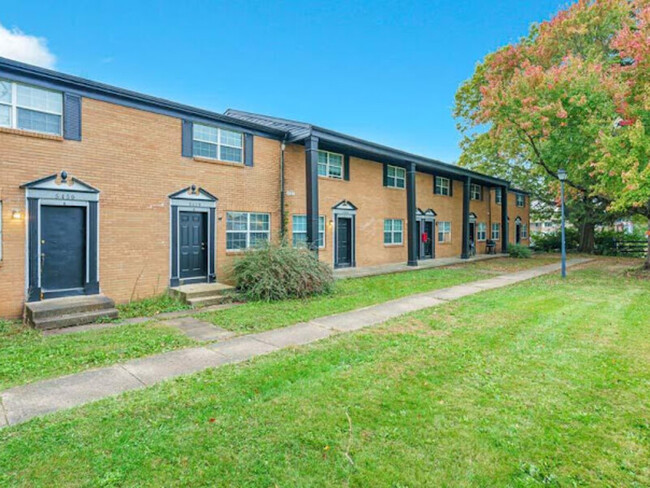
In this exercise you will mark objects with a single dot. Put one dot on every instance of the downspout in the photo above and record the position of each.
(283, 229)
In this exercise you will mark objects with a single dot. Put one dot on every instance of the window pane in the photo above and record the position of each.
(205, 149)
(400, 183)
(236, 240)
(5, 116)
(322, 157)
(397, 225)
(322, 169)
(39, 121)
(231, 138)
(321, 224)
(335, 159)
(205, 133)
(231, 154)
(299, 239)
(259, 222)
(335, 171)
(5, 92)
(387, 226)
(236, 221)
(258, 238)
(390, 180)
(390, 171)
(388, 238)
(299, 223)
(39, 99)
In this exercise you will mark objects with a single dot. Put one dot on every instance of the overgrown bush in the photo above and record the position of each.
(552, 242)
(519, 251)
(280, 271)
(605, 241)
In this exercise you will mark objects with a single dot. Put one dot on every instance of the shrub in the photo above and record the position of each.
(279, 271)
(519, 251)
(552, 242)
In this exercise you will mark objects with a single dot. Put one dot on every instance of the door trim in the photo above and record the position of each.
(347, 210)
(191, 199)
(60, 190)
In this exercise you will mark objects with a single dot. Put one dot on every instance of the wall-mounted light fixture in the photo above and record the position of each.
(16, 214)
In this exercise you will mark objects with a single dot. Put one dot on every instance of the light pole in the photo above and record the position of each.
(561, 174)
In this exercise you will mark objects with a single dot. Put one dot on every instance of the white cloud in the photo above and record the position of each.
(15, 44)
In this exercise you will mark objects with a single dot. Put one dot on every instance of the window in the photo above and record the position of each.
(524, 231)
(521, 200)
(497, 196)
(395, 177)
(29, 108)
(214, 143)
(393, 231)
(245, 230)
(444, 231)
(442, 186)
(496, 231)
(330, 165)
(475, 192)
(299, 230)
(481, 231)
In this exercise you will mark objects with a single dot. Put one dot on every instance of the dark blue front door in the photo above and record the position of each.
(63, 250)
(343, 242)
(193, 244)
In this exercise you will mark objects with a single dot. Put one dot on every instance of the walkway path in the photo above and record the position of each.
(21, 403)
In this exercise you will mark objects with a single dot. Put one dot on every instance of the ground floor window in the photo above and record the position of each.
(393, 231)
(245, 230)
(481, 231)
(524, 231)
(299, 230)
(496, 231)
(444, 232)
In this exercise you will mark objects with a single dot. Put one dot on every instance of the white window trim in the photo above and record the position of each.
(478, 189)
(524, 231)
(248, 230)
(219, 144)
(442, 179)
(498, 232)
(13, 105)
(327, 165)
(479, 232)
(321, 218)
(393, 233)
(438, 231)
(396, 178)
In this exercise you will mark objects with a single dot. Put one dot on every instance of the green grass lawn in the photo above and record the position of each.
(541, 383)
(26, 355)
(355, 293)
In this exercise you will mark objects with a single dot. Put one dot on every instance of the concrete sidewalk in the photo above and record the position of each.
(22, 403)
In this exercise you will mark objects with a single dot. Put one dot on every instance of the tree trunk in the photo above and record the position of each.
(587, 243)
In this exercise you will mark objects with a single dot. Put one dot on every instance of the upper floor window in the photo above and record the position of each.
(330, 164)
(395, 177)
(245, 230)
(29, 108)
(214, 143)
(442, 186)
(393, 231)
(299, 230)
(521, 200)
(497, 196)
(475, 192)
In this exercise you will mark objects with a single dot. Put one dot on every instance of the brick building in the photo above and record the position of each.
(107, 190)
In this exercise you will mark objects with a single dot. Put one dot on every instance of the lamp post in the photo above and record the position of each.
(561, 174)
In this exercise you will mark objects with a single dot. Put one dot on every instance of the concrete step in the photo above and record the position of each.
(186, 292)
(66, 306)
(70, 320)
(205, 301)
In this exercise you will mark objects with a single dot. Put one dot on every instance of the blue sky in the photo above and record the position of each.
(381, 70)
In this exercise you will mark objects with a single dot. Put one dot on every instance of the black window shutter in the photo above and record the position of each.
(186, 145)
(385, 174)
(346, 167)
(72, 117)
(248, 149)
(481, 187)
(434, 185)
(451, 187)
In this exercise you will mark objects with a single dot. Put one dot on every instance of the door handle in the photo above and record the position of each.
(203, 246)
(42, 259)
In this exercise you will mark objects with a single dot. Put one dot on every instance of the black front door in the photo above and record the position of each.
(193, 230)
(518, 233)
(426, 238)
(63, 250)
(343, 242)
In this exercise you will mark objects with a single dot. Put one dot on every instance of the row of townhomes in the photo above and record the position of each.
(104, 190)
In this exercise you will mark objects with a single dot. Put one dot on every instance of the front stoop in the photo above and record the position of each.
(57, 313)
(203, 294)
